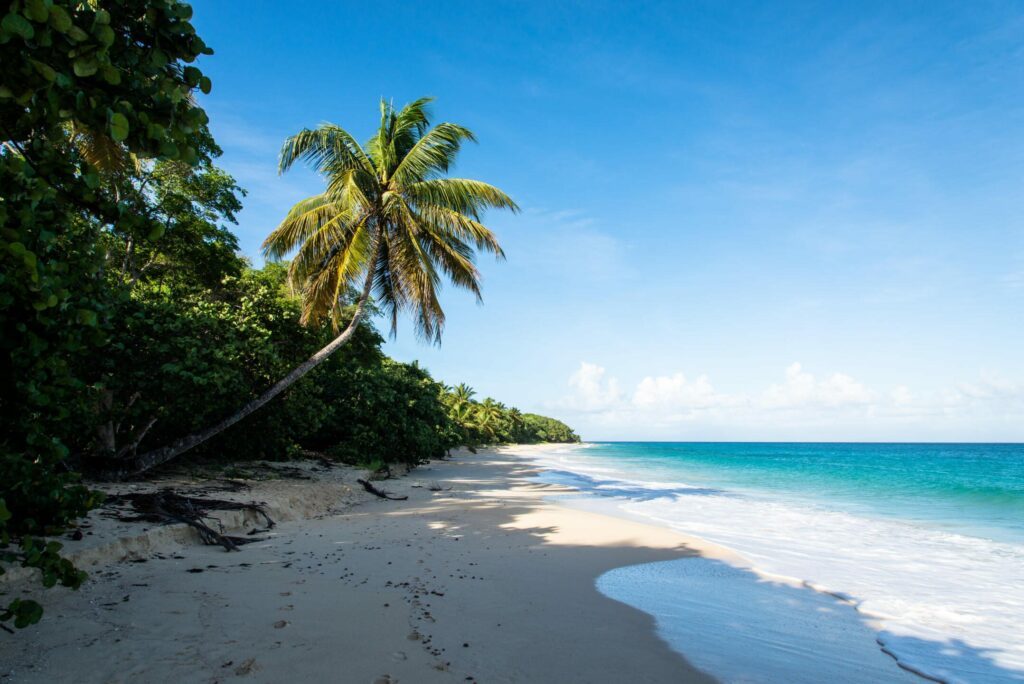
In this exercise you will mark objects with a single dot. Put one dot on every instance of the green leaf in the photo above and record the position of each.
(26, 613)
(199, 46)
(45, 70)
(111, 74)
(87, 317)
(36, 10)
(104, 35)
(59, 19)
(5, 514)
(85, 66)
(156, 233)
(18, 25)
(169, 150)
(118, 126)
(205, 85)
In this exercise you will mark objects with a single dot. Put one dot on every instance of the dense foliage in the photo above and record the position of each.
(127, 318)
(81, 84)
(544, 429)
(184, 356)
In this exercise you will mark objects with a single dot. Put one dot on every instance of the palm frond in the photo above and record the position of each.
(433, 153)
(324, 276)
(444, 220)
(448, 251)
(102, 152)
(327, 149)
(463, 195)
(455, 258)
(300, 223)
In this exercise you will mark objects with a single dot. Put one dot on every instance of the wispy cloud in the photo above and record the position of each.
(570, 245)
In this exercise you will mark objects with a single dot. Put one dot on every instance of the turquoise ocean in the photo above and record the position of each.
(922, 545)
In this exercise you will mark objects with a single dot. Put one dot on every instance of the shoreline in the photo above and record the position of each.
(484, 579)
(762, 534)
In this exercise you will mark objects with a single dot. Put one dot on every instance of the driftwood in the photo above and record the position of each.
(376, 492)
(166, 506)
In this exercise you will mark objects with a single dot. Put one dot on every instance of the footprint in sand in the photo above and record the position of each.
(247, 667)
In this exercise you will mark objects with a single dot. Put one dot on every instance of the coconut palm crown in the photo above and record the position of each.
(389, 224)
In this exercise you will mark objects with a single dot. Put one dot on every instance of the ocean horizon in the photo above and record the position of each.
(924, 542)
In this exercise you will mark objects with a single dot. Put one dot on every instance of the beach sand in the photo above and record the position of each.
(485, 580)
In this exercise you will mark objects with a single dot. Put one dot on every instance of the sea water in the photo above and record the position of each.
(925, 542)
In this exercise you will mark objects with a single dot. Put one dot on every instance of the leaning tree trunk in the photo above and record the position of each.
(156, 457)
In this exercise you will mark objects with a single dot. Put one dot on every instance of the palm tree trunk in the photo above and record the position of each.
(156, 457)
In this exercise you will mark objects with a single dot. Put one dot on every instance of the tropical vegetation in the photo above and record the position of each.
(131, 331)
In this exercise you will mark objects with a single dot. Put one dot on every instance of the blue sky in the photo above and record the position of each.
(739, 221)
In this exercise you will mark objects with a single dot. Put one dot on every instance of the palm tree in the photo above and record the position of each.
(389, 222)
(464, 393)
(483, 421)
(517, 420)
(489, 417)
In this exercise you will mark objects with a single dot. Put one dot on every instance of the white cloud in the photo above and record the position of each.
(802, 406)
(675, 392)
(590, 390)
(991, 386)
(901, 395)
(803, 389)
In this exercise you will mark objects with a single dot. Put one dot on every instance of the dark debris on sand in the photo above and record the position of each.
(168, 506)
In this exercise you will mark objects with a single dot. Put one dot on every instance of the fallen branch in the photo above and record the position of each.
(376, 492)
(168, 506)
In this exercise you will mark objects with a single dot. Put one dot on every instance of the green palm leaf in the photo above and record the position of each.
(387, 218)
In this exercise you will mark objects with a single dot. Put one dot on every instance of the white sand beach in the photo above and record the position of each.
(483, 580)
